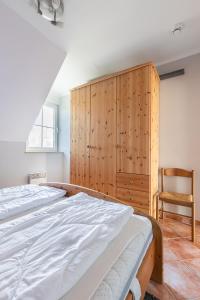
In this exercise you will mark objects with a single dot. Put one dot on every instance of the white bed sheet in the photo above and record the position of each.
(19, 199)
(108, 277)
(34, 247)
(122, 275)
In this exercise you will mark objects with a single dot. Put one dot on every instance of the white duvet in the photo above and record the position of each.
(44, 254)
(18, 199)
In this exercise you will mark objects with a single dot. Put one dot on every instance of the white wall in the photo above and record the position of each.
(180, 123)
(63, 105)
(15, 164)
(29, 65)
(64, 134)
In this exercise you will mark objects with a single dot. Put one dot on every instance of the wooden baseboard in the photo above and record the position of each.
(178, 217)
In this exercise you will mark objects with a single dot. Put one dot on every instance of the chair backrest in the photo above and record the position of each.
(177, 172)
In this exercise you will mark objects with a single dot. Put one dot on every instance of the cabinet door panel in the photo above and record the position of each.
(103, 136)
(80, 132)
(133, 122)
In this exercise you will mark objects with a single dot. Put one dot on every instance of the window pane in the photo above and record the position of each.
(48, 137)
(39, 119)
(48, 116)
(35, 137)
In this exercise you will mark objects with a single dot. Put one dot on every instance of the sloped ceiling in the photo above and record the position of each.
(29, 63)
(108, 35)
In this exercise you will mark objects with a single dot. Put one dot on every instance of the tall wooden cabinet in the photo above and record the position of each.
(114, 136)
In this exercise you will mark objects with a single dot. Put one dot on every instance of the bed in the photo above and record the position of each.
(110, 250)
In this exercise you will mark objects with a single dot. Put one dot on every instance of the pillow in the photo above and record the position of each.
(18, 199)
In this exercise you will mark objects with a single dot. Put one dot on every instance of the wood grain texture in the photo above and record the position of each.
(154, 136)
(80, 135)
(103, 137)
(187, 200)
(177, 172)
(134, 198)
(133, 181)
(108, 76)
(133, 132)
(120, 135)
(146, 268)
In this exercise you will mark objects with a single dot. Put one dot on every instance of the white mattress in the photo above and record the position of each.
(119, 268)
(116, 284)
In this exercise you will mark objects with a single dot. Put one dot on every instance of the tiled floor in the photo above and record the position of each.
(181, 263)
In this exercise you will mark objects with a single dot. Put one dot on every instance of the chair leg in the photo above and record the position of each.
(161, 210)
(157, 208)
(193, 222)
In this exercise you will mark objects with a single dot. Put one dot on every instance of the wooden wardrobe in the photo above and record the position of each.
(114, 136)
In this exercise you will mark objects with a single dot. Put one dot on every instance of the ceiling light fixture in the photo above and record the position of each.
(52, 10)
(178, 28)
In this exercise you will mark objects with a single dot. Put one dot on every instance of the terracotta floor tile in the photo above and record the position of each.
(178, 228)
(194, 265)
(183, 248)
(181, 263)
(167, 221)
(162, 292)
(197, 241)
(183, 230)
(169, 255)
(182, 281)
(169, 232)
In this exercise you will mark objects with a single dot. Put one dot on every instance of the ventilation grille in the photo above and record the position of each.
(172, 74)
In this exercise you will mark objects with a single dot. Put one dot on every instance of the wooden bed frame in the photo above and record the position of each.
(152, 264)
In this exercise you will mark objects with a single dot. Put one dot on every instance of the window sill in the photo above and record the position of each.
(31, 151)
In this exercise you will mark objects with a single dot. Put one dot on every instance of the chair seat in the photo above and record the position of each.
(176, 197)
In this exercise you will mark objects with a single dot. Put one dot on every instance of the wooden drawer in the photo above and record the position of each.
(141, 209)
(133, 181)
(136, 199)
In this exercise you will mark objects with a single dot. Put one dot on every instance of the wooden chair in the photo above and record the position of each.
(177, 198)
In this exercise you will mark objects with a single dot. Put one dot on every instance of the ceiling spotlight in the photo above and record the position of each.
(178, 28)
(52, 10)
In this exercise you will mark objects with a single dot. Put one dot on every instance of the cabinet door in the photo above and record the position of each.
(133, 122)
(80, 132)
(103, 136)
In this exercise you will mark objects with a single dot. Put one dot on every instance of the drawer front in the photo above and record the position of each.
(136, 199)
(141, 209)
(133, 182)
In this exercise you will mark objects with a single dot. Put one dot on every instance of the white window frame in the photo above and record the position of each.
(46, 149)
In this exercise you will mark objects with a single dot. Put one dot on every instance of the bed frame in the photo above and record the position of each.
(152, 264)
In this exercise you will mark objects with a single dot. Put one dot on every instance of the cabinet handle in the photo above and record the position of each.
(94, 147)
(118, 146)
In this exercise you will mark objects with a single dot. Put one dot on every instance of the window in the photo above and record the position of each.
(43, 135)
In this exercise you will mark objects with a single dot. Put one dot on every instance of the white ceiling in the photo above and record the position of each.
(104, 36)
